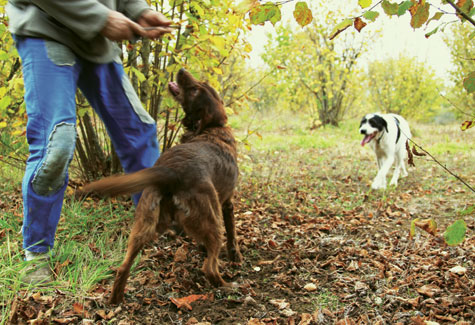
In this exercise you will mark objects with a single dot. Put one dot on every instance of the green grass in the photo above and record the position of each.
(89, 245)
(325, 299)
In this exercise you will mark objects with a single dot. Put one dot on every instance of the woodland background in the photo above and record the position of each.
(320, 247)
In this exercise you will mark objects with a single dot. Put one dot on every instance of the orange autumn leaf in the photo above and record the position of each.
(186, 301)
(359, 24)
(78, 308)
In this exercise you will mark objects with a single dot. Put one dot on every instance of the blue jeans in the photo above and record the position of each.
(52, 73)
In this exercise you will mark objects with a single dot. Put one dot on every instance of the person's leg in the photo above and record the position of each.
(132, 130)
(50, 72)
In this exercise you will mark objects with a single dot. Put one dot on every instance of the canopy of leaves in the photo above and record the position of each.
(403, 86)
(319, 72)
(463, 57)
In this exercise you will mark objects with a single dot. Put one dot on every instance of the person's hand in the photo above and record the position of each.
(119, 28)
(156, 24)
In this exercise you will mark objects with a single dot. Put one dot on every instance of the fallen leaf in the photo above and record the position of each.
(255, 321)
(310, 287)
(180, 254)
(65, 320)
(186, 301)
(428, 225)
(287, 312)
(306, 319)
(460, 270)
(279, 303)
(429, 290)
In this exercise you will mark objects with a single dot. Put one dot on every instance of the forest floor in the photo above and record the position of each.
(319, 246)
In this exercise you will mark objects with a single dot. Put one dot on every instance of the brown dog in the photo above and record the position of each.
(191, 183)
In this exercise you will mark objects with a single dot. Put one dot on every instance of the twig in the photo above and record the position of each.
(368, 10)
(456, 107)
(250, 88)
(445, 168)
(461, 13)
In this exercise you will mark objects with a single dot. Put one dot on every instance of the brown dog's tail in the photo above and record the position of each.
(164, 178)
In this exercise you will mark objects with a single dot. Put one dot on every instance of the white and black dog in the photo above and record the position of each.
(387, 135)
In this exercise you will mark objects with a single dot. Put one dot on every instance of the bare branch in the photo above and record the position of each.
(445, 168)
(461, 13)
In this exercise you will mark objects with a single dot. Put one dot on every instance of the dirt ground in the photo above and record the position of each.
(319, 248)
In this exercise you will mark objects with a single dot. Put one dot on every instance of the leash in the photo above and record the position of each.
(398, 129)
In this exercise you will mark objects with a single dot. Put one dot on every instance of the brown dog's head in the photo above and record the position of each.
(201, 103)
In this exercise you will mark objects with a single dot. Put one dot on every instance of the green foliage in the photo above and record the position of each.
(404, 7)
(319, 72)
(390, 8)
(302, 14)
(462, 96)
(12, 109)
(469, 82)
(364, 3)
(371, 15)
(420, 14)
(455, 233)
(266, 12)
(341, 27)
(404, 86)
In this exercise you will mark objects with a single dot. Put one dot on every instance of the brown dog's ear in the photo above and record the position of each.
(212, 113)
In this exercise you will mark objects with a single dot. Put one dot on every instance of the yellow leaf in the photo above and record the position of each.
(17, 124)
(17, 132)
(218, 71)
(245, 6)
(229, 110)
(248, 48)
(219, 42)
(3, 125)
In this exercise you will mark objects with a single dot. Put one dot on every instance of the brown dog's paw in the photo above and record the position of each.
(116, 298)
(235, 255)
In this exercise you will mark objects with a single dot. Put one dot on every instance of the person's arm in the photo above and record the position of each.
(140, 11)
(86, 18)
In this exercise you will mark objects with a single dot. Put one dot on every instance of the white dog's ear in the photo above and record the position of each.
(380, 122)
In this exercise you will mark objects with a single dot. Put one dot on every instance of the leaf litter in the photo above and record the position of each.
(318, 247)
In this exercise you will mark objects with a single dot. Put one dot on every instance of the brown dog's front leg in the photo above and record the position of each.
(232, 246)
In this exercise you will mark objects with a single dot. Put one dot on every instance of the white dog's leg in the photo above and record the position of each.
(402, 157)
(397, 172)
(399, 166)
(379, 181)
